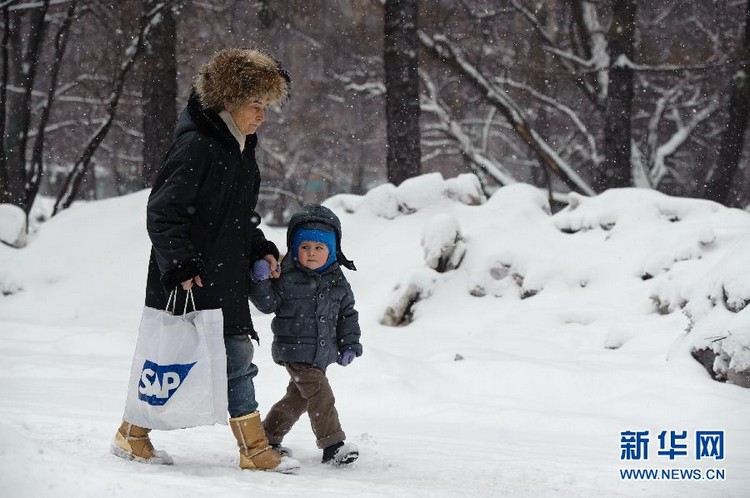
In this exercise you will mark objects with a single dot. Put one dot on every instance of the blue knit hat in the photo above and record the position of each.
(328, 237)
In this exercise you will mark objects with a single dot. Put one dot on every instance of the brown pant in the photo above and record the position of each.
(308, 391)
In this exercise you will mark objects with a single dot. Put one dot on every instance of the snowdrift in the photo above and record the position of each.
(684, 255)
(506, 349)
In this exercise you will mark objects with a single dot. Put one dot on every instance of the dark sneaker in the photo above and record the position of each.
(340, 454)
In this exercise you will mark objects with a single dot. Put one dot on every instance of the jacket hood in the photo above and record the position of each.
(317, 214)
(197, 118)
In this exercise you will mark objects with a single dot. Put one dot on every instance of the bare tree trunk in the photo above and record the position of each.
(19, 104)
(618, 127)
(77, 174)
(4, 55)
(265, 14)
(719, 182)
(541, 176)
(159, 92)
(37, 160)
(401, 59)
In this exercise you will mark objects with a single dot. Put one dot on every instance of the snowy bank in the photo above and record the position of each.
(527, 345)
(691, 253)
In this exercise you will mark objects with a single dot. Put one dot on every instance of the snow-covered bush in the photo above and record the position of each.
(465, 189)
(636, 251)
(442, 243)
(416, 286)
(414, 194)
(12, 225)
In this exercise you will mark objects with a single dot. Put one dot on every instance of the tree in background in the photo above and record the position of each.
(719, 182)
(149, 18)
(24, 30)
(514, 91)
(401, 58)
(159, 94)
(618, 122)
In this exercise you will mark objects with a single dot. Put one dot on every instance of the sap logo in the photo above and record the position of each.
(159, 382)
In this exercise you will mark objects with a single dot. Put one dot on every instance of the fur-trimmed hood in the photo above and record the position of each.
(235, 75)
(317, 214)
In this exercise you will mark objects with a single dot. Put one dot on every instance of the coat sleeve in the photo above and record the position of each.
(347, 328)
(169, 211)
(266, 295)
(258, 245)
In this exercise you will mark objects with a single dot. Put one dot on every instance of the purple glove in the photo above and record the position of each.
(346, 357)
(261, 270)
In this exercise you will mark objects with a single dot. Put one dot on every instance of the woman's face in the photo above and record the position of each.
(249, 116)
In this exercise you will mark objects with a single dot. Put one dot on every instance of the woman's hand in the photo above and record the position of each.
(188, 284)
(275, 268)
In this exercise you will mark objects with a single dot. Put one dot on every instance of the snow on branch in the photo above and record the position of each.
(570, 61)
(449, 53)
(566, 110)
(28, 5)
(73, 180)
(479, 160)
(596, 41)
(678, 138)
(369, 86)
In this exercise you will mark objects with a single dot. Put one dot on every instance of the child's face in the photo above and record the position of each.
(312, 255)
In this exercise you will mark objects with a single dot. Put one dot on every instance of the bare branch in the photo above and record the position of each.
(453, 56)
(678, 138)
(31, 5)
(73, 181)
(37, 160)
(478, 159)
(596, 158)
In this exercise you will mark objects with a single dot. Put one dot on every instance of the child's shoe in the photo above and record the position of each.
(340, 454)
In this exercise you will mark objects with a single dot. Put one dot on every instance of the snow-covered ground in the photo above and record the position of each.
(517, 375)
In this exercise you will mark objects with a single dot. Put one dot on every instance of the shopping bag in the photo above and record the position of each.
(179, 373)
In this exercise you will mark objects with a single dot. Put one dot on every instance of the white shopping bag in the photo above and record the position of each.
(179, 373)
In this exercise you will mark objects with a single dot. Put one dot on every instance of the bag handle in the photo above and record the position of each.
(192, 301)
(173, 299)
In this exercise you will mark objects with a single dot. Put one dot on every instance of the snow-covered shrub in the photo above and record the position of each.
(713, 289)
(346, 202)
(414, 194)
(415, 287)
(381, 201)
(12, 225)
(442, 243)
(419, 192)
(465, 189)
(727, 357)
(682, 248)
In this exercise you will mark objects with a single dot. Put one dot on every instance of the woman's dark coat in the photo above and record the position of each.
(315, 316)
(201, 218)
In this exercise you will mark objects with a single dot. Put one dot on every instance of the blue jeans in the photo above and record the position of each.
(240, 374)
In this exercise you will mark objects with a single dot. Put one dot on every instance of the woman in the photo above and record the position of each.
(204, 232)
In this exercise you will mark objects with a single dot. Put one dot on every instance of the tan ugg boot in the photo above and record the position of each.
(132, 443)
(255, 452)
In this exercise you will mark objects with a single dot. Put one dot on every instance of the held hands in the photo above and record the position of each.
(345, 357)
(261, 270)
(274, 265)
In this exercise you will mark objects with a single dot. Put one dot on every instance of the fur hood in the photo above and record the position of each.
(234, 76)
(321, 215)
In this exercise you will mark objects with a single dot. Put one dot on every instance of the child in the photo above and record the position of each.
(315, 325)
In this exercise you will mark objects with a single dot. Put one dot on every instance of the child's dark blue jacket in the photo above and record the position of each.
(315, 316)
